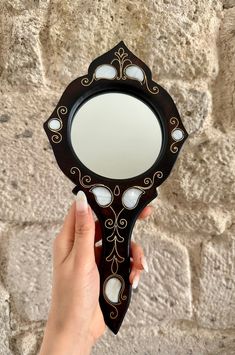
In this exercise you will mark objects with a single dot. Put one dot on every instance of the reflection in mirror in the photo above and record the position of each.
(116, 135)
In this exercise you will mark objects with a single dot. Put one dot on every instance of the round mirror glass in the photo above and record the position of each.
(116, 135)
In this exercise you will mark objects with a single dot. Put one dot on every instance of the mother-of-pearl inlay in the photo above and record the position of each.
(112, 289)
(177, 134)
(130, 197)
(134, 72)
(54, 124)
(102, 195)
(105, 71)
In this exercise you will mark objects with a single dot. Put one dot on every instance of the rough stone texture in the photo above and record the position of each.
(217, 285)
(25, 276)
(27, 344)
(28, 165)
(181, 340)
(186, 304)
(4, 321)
(227, 4)
(224, 92)
(165, 293)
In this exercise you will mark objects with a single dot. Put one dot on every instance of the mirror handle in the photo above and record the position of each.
(116, 223)
(114, 268)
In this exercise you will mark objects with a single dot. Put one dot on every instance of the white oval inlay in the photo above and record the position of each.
(103, 195)
(105, 71)
(112, 289)
(177, 134)
(54, 123)
(135, 72)
(130, 197)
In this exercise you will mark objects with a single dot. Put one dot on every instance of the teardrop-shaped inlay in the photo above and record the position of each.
(130, 197)
(112, 289)
(105, 71)
(134, 72)
(103, 195)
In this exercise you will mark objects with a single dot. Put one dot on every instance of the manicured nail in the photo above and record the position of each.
(81, 202)
(144, 263)
(135, 282)
(99, 243)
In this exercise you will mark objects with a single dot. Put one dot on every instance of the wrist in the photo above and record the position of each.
(65, 342)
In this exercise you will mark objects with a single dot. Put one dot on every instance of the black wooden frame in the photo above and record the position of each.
(115, 217)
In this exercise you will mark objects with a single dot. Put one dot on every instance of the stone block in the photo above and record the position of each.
(185, 218)
(165, 292)
(27, 344)
(4, 322)
(75, 33)
(207, 172)
(33, 187)
(26, 252)
(223, 90)
(216, 308)
(20, 53)
(138, 340)
(201, 188)
(194, 104)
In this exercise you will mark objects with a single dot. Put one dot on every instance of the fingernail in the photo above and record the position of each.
(81, 202)
(135, 282)
(99, 243)
(144, 263)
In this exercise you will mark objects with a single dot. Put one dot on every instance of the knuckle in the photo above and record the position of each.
(138, 248)
(83, 228)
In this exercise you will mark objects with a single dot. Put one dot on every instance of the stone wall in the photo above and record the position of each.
(186, 303)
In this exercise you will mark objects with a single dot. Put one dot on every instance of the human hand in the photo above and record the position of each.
(75, 319)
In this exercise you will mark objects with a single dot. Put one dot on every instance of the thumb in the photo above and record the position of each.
(84, 231)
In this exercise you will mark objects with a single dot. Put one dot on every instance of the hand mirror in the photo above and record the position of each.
(116, 134)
